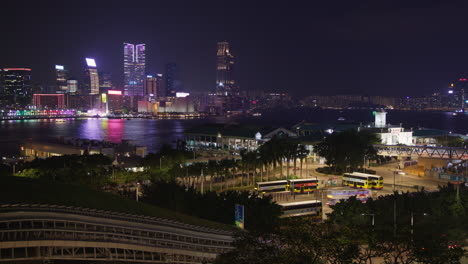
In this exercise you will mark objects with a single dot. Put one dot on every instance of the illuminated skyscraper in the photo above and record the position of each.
(72, 86)
(17, 86)
(61, 79)
(225, 84)
(91, 82)
(170, 78)
(134, 69)
(153, 86)
(105, 82)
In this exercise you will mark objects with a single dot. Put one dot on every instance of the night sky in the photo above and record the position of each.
(347, 47)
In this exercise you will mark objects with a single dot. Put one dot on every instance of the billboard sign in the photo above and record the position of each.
(239, 216)
(115, 92)
(59, 67)
(181, 94)
(90, 62)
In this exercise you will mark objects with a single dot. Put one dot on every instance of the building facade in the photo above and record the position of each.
(105, 82)
(225, 84)
(114, 101)
(72, 86)
(61, 79)
(91, 80)
(82, 102)
(134, 69)
(77, 146)
(232, 138)
(170, 78)
(17, 87)
(49, 101)
(153, 86)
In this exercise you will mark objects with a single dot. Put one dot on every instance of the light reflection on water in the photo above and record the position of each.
(154, 133)
(148, 132)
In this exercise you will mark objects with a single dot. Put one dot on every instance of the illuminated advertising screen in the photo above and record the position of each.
(182, 94)
(59, 67)
(90, 62)
(114, 92)
(104, 98)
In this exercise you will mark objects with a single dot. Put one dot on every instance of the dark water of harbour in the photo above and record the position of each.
(154, 133)
(148, 132)
(410, 119)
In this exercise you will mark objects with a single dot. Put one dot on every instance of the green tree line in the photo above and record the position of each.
(429, 227)
(261, 213)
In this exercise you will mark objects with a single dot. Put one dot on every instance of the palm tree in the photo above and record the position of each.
(243, 161)
(273, 153)
(248, 160)
(302, 153)
(212, 169)
(265, 157)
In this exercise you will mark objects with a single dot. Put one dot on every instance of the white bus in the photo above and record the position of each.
(335, 196)
(311, 208)
(271, 186)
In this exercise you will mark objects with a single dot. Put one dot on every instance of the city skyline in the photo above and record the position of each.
(371, 48)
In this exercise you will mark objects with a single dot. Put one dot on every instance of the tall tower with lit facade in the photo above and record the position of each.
(105, 82)
(61, 79)
(225, 84)
(153, 86)
(134, 69)
(91, 82)
(170, 78)
(17, 86)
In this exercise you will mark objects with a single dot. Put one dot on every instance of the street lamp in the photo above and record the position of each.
(160, 158)
(137, 189)
(412, 223)
(394, 206)
(373, 216)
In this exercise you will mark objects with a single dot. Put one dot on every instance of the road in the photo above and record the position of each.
(403, 183)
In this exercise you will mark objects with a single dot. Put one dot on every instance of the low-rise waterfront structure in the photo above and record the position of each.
(78, 146)
(231, 137)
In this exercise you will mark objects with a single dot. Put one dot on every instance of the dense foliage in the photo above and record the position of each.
(430, 228)
(347, 149)
(35, 191)
(85, 169)
(261, 214)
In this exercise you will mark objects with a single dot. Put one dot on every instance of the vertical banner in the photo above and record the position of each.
(239, 215)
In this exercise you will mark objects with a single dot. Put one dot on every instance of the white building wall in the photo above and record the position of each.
(396, 136)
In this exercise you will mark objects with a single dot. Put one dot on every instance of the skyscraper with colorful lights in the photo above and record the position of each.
(134, 69)
(61, 79)
(91, 82)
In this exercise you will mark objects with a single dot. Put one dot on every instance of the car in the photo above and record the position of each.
(400, 172)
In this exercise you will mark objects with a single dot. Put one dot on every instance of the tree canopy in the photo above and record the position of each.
(347, 149)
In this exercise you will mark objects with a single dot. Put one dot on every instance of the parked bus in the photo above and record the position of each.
(311, 208)
(335, 196)
(303, 185)
(363, 180)
(271, 186)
